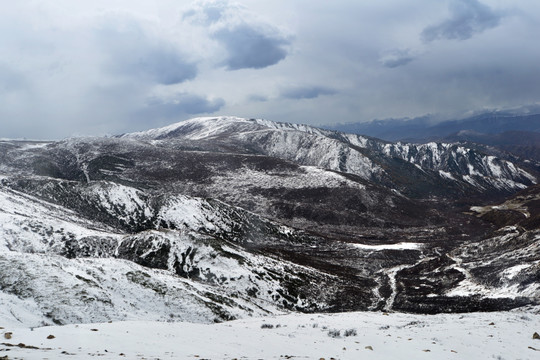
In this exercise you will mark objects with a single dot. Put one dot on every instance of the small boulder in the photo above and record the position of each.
(50, 337)
(8, 335)
(536, 336)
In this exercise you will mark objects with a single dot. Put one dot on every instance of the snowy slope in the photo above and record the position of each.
(361, 335)
(42, 290)
(188, 266)
(30, 225)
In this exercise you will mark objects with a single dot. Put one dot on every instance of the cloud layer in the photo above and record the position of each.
(109, 66)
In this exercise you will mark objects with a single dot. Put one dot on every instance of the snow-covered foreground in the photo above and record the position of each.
(501, 335)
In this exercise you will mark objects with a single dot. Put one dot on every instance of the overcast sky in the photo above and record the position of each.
(112, 66)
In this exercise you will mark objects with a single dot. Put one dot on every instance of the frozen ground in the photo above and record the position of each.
(501, 335)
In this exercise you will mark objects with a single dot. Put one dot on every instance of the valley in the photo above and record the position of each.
(214, 219)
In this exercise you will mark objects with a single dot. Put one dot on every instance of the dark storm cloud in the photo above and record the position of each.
(468, 17)
(249, 42)
(183, 104)
(306, 92)
(250, 47)
(134, 54)
(396, 58)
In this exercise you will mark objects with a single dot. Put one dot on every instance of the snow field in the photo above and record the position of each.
(306, 336)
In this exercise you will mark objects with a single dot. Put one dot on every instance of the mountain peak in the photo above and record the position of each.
(192, 127)
(210, 127)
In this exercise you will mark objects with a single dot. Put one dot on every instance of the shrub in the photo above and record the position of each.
(334, 333)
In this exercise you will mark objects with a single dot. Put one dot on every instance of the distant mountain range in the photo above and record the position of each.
(424, 129)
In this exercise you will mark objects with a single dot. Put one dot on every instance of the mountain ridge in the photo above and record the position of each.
(339, 151)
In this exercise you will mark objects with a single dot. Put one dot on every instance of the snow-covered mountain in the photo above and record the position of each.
(369, 158)
(212, 219)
